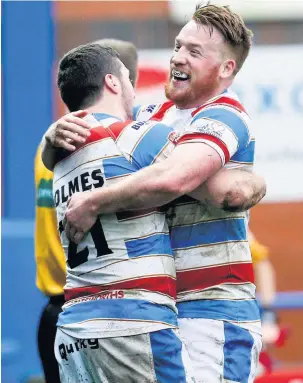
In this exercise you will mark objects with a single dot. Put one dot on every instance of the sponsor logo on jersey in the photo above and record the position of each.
(114, 294)
(45, 193)
(213, 128)
(138, 125)
(149, 108)
(173, 137)
(146, 124)
(65, 349)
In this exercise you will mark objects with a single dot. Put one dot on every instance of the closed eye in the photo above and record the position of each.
(195, 52)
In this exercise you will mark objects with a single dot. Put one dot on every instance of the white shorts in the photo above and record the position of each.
(157, 357)
(220, 351)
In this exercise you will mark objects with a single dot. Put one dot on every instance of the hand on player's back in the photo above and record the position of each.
(69, 131)
(79, 217)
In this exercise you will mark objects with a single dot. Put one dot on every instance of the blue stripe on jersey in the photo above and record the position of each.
(205, 233)
(155, 244)
(246, 155)
(135, 111)
(104, 116)
(151, 145)
(167, 356)
(127, 309)
(117, 166)
(229, 118)
(237, 353)
(247, 310)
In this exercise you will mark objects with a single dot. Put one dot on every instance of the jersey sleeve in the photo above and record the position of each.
(224, 129)
(145, 142)
(145, 112)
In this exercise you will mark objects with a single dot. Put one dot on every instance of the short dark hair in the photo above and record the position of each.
(230, 25)
(127, 54)
(82, 72)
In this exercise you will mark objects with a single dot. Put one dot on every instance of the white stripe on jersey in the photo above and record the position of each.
(206, 216)
(145, 266)
(107, 327)
(92, 152)
(212, 255)
(129, 139)
(238, 291)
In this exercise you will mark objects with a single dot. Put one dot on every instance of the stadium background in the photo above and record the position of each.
(36, 34)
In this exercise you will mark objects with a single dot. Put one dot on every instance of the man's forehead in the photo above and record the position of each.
(198, 34)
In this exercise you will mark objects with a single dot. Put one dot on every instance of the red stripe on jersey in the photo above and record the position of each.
(98, 133)
(222, 100)
(164, 284)
(200, 279)
(161, 112)
(117, 128)
(196, 136)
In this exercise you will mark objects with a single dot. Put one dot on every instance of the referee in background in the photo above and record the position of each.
(50, 258)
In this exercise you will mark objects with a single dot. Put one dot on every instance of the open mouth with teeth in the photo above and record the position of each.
(179, 76)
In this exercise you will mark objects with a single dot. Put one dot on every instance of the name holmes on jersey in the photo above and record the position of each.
(82, 182)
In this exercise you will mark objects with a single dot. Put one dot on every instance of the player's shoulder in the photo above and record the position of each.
(133, 128)
(221, 114)
(146, 112)
(224, 104)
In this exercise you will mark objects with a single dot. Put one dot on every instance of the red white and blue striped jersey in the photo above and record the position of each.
(121, 278)
(215, 276)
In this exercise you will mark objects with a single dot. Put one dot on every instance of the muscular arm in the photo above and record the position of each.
(189, 166)
(232, 190)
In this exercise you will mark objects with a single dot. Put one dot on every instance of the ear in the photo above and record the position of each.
(227, 68)
(112, 83)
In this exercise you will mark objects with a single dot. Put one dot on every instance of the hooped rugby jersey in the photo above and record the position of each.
(121, 278)
(215, 276)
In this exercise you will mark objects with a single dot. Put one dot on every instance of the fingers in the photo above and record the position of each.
(65, 145)
(79, 125)
(69, 130)
(78, 237)
(67, 228)
(72, 233)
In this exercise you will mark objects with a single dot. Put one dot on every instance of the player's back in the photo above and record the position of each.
(121, 277)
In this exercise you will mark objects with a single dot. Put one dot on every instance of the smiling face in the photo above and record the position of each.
(198, 69)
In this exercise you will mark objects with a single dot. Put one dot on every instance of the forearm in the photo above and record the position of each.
(160, 183)
(236, 190)
(139, 191)
(49, 153)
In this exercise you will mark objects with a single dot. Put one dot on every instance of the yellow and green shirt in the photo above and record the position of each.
(50, 259)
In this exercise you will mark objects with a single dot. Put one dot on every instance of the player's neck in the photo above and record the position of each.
(203, 99)
(106, 107)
